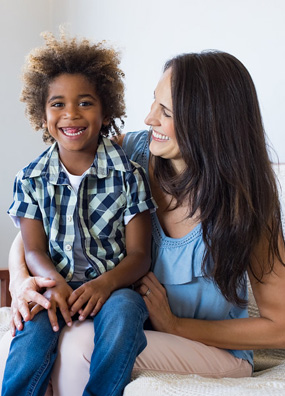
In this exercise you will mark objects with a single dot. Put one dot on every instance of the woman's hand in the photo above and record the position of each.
(155, 297)
(24, 291)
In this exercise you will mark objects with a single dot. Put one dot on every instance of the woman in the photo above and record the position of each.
(218, 219)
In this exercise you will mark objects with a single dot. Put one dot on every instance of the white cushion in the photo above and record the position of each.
(4, 320)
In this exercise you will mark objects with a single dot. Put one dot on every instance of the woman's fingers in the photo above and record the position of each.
(21, 307)
(152, 281)
(149, 286)
(16, 321)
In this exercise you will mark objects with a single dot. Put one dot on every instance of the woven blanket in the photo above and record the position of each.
(270, 382)
(4, 320)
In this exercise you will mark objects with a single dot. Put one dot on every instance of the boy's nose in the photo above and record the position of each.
(71, 111)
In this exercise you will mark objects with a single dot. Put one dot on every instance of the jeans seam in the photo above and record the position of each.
(130, 354)
(35, 379)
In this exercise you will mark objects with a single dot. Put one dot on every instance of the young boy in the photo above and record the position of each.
(83, 210)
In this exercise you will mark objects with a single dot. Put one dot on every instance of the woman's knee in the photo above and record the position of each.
(4, 351)
(71, 369)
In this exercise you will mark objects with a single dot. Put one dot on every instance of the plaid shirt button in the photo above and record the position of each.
(68, 247)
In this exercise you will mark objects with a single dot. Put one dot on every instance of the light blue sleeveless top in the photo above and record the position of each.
(177, 263)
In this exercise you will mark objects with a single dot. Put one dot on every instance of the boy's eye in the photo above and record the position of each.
(85, 103)
(57, 104)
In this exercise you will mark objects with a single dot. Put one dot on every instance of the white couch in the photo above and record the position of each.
(268, 378)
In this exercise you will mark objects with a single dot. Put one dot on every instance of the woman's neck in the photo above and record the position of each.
(174, 221)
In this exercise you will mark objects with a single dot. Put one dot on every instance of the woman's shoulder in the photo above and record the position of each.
(135, 145)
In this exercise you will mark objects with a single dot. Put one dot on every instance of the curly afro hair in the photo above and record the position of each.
(98, 63)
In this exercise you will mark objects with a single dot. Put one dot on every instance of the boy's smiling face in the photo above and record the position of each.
(74, 115)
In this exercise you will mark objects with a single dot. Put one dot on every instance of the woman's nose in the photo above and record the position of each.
(147, 119)
(151, 118)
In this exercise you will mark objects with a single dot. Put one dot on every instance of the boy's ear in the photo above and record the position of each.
(106, 121)
(44, 124)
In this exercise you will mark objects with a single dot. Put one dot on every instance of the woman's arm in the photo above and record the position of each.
(23, 287)
(266, 331)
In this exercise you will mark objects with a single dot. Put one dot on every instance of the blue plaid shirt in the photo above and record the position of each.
(113, 187)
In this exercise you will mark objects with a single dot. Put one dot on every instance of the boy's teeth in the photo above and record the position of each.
(72, 131)
(159, 136)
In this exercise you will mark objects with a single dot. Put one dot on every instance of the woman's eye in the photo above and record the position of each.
(165, 113)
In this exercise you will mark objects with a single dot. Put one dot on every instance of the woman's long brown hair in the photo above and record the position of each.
(228, 174)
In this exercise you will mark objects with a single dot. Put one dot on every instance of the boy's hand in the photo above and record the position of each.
(93, 293)
(58, 297)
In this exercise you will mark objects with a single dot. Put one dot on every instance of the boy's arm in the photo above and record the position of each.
(136, 264)
(138, 258)
(39, 263)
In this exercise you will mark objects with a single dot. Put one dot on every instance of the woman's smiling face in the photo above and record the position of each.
(160, 118)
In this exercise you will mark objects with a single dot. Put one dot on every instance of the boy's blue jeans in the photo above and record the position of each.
(119, 338)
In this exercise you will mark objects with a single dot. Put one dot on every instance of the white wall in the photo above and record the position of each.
(151, 31)
(21, 22)
(147, 32)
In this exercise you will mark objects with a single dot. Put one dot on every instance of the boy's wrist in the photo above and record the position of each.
(109, 280)
(57, 278)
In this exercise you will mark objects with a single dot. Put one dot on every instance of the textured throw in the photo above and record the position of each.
(267, 383)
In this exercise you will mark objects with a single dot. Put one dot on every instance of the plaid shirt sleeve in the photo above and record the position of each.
(25, 203)
(138, 192)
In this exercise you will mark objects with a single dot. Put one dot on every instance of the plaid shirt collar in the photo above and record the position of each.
(108, 156)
